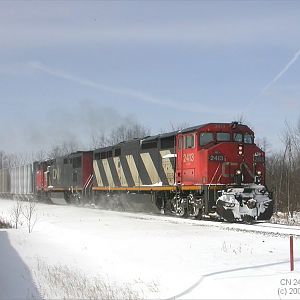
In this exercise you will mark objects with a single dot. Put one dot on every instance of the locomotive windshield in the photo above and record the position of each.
(223, 137)
(248, 139)
(238, 137)
(206, 138)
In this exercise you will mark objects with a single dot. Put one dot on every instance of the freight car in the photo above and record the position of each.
(211, 170)
(17, 182)
(5, 183)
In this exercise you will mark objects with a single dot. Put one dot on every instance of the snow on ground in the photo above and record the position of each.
(132, 255)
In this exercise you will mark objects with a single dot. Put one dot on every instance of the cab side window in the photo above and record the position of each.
(76, 162)
(180, 143)
(189, 141)
(206, 138)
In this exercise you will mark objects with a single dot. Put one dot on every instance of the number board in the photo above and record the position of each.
(216, 157)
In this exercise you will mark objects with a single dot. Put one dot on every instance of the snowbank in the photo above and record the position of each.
(142, 256)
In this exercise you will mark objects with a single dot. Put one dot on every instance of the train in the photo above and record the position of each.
(213, 170)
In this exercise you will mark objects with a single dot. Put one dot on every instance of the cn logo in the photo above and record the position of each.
(56, 174)
(226, 166)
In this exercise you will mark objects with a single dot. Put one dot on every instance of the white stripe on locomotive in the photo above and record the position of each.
(151, 170)
(133, 170)
(97, 173)
(108, 172)
(120, 171)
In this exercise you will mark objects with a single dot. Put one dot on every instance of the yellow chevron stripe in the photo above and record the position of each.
(133, 170)
(108, 172)
(97, 173)
(167, 166)
(150, 167)
(120, 171)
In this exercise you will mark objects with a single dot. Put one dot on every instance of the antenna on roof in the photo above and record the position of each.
(234, 124)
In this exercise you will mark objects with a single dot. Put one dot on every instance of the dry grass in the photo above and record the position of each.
(241, 248)
(284, 218)
(61, 282)
(4, 223)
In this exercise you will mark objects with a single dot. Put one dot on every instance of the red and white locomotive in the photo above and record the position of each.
(223, 170)
(212, 170)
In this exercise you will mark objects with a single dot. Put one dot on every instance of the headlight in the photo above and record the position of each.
(251, 204)
(258, 173)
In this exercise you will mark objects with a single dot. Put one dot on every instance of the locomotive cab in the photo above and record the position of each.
(218, 154)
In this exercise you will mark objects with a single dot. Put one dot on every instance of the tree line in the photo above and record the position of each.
(283, 171)
(121, 133)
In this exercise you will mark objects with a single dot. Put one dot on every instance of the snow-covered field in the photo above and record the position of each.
(76, 252)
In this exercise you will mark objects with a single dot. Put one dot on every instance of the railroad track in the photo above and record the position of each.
(260, 227)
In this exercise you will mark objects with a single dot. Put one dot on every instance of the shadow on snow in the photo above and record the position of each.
(16, 281)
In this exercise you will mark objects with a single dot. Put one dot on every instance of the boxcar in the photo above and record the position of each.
(4, 183)
(21, 181)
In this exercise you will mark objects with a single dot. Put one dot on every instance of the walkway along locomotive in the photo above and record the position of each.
(213, 170)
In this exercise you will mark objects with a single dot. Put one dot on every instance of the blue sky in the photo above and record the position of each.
(70, 69)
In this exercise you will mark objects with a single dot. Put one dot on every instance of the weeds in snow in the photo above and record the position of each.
(30, 214)
(61, 282)
(4, 223)
(239, 249)
(16, 213)
(286, 219)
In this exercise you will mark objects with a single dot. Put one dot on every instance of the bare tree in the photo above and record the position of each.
(283, 172)
(16, 212)
(127, 132)
(2, 154)
(240, 118)
(98, 140)
(9, 160)
(179, 126)
(263, 143)
(62, 149)
(30, 214)
(40, 155)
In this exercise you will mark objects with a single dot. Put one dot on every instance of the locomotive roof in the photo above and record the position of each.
(76, 153)
(169, 134)
(186, 130)
(159, 136)
(192, 128)
(232, 124)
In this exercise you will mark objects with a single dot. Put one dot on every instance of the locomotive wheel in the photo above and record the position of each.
(248, 219)
(199, 214)
(182, 212)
